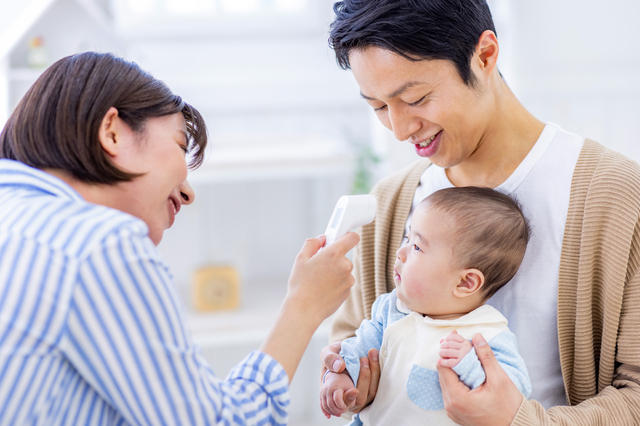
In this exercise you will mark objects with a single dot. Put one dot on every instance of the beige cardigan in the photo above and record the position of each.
(598, 288)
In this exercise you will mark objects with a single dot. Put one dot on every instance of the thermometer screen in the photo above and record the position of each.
(336, 218)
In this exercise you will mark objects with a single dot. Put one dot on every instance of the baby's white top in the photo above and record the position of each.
(542, 184)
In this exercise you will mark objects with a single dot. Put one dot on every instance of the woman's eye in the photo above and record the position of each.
(184, 148)
(380, 109)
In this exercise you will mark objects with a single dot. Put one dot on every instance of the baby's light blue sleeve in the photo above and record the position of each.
(369, 335)
(505, 348)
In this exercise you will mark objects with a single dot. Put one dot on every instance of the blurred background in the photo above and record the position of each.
(290, 133)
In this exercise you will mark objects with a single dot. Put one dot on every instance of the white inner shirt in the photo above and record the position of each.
(542, 184)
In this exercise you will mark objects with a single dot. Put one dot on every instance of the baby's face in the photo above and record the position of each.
(424, 270)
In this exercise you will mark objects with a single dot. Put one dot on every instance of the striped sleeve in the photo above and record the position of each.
(126, 337)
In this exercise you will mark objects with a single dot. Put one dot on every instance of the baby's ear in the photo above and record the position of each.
(471, 281)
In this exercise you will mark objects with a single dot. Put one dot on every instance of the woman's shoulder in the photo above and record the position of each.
(77, 228)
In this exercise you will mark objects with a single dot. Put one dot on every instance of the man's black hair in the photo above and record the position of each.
(414, 29)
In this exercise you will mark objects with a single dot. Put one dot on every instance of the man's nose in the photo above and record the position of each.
(403, 124)
(186, 193)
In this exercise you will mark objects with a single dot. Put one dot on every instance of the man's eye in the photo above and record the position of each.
(416, 103)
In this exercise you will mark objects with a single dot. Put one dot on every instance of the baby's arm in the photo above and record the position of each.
(469, 368)
(453, 349)
(332, 392)
(369, 334)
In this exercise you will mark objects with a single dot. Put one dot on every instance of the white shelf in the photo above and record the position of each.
(248, 324)
(269, 161)
(26, 75)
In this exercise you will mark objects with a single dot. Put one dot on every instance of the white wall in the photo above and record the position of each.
(574, 63)
(578, 66)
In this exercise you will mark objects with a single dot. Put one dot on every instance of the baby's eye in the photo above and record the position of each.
(415, 247)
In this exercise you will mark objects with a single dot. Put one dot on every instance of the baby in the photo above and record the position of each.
(464, 245)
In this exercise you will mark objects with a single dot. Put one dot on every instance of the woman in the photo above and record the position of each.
(93, 171)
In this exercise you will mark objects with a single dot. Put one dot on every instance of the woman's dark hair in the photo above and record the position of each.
(56, 123)
(415, 29)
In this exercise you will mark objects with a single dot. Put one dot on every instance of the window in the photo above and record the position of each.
(171, 18)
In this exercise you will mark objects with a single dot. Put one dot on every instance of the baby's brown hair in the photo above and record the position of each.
(491, 232)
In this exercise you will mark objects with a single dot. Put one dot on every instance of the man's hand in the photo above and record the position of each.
(453, 348)
(494, 403)
(332, 392)
(355, 399)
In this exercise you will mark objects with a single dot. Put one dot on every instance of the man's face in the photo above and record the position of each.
(425, 103)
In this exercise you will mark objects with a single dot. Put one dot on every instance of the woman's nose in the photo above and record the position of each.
(186, 193)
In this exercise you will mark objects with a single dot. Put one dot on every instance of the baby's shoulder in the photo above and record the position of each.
(385, 309)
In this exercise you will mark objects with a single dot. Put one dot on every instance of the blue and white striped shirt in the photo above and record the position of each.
(91, 330)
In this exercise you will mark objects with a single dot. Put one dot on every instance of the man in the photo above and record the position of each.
(428, 68)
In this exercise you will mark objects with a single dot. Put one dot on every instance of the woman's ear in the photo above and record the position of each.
(471, 281)
(108, 133)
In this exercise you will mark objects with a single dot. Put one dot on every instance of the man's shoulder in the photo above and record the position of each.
(394, 181)
(606, 168)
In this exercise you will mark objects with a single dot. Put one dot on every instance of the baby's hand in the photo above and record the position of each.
(332, 393)
(452, 349)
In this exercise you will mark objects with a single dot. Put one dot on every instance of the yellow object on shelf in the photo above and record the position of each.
(216, 288)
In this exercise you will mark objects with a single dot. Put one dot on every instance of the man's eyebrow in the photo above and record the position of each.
(397, 92)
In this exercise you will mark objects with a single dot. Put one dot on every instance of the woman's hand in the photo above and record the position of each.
(320, 281)
(357, 399)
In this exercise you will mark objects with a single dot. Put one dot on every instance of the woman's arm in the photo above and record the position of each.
(125, 335)
(319, 283)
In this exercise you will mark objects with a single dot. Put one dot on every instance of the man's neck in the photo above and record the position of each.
(512, 132)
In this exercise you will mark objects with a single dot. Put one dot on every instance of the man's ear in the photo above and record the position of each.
(108, 133)
(471, 281)
(487, 50)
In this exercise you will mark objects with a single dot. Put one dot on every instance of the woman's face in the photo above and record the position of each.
(158, 152)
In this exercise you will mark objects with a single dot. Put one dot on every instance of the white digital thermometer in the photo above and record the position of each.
(350, 212)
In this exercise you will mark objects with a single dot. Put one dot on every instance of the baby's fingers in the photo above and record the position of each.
(451, 345)
(329, 405)
(324, 406)
(454, 337)
(338, 400)
(449, 353)
(450, 363)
